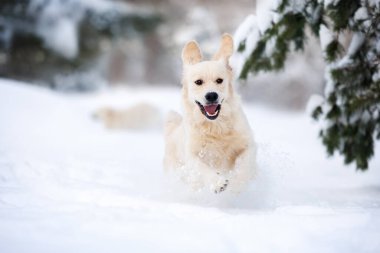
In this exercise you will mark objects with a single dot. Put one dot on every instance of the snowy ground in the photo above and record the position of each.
(69, 185)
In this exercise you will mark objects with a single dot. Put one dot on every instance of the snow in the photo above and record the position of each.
(270, 47)
(69, 185)
(327, 3)
(248, 32)
(61, 36)
(377, 47)
(251, 29)
(265, 14)
(356, 42)
(361, 14)
(376, 75)
(245, 28)
(57, 28)
(325, 36)
(314, 101)
(374, 3)
(297, 5)
(58, 21)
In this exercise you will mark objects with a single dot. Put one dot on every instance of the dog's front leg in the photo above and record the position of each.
(244, 170)
(221, 183)
(216, 181)
(200, 175)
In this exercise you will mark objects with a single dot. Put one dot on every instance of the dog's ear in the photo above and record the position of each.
(226, 48)
(191, 53)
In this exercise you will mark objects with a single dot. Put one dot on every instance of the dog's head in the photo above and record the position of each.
(207, 84)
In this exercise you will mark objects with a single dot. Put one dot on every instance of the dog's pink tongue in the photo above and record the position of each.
(210, 109)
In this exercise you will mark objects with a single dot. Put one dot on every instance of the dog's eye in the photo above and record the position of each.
(199, 82)
(219, 80)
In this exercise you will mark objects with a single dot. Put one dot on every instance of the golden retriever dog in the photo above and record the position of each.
(211, 145)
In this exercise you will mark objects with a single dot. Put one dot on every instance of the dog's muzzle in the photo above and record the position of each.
(211, 111)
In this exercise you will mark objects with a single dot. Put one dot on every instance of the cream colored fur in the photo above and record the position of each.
(139, 116)
(217, 154)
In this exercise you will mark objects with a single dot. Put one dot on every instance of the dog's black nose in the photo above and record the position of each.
(211, 97)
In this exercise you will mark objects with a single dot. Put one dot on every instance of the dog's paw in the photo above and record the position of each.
(222, 187)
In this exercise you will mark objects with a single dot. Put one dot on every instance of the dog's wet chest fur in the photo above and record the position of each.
(219, 151)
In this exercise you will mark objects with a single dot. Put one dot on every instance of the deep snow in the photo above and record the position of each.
(69, 185)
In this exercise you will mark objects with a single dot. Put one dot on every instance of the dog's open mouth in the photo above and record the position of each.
(211, 111)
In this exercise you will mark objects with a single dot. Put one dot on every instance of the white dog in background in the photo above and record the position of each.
(137, 117)
(211, 145)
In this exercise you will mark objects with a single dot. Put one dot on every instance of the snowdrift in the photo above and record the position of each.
(69, 185)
